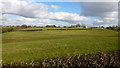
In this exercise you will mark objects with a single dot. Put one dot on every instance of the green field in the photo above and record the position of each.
(22, 46)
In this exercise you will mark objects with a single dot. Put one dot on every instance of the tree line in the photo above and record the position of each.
(4, 29)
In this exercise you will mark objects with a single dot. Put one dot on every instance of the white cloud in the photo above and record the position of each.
(99, 9)
(31, 9)
(54, 7)
(31, 12)
(23, 20)
(76, 0)
(67, 17)
(23, 8)
(105, 12)
(110, 19)
(99, 20)
(106, 22)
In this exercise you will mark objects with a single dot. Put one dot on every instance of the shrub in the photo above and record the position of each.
(114, 28)
(7, 29)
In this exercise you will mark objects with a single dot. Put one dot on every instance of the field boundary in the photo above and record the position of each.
(100, 60)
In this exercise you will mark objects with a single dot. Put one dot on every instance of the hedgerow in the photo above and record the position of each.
(98, 60)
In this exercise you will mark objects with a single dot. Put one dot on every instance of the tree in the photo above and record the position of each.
(24, 26)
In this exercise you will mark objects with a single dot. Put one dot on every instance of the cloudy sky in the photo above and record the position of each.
(34, 12)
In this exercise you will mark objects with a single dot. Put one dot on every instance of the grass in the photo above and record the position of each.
(21, 46)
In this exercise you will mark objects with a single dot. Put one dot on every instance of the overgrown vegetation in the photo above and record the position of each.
(7, 29)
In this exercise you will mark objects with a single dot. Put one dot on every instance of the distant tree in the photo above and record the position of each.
(78, 25)
(50, 26)
(102, 26)
(84, 26)
(117, 28)
(34, 26)
(24, 26)
(17, 26)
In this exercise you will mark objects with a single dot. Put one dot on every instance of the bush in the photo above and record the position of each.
(114, 28)
(7, 29)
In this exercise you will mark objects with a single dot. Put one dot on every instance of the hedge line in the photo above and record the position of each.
(99, 60)
(32, 30)
(68, 29)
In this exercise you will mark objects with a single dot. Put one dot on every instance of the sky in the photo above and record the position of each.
(34, 12)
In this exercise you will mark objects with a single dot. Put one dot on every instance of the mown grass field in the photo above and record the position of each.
(23, 46)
